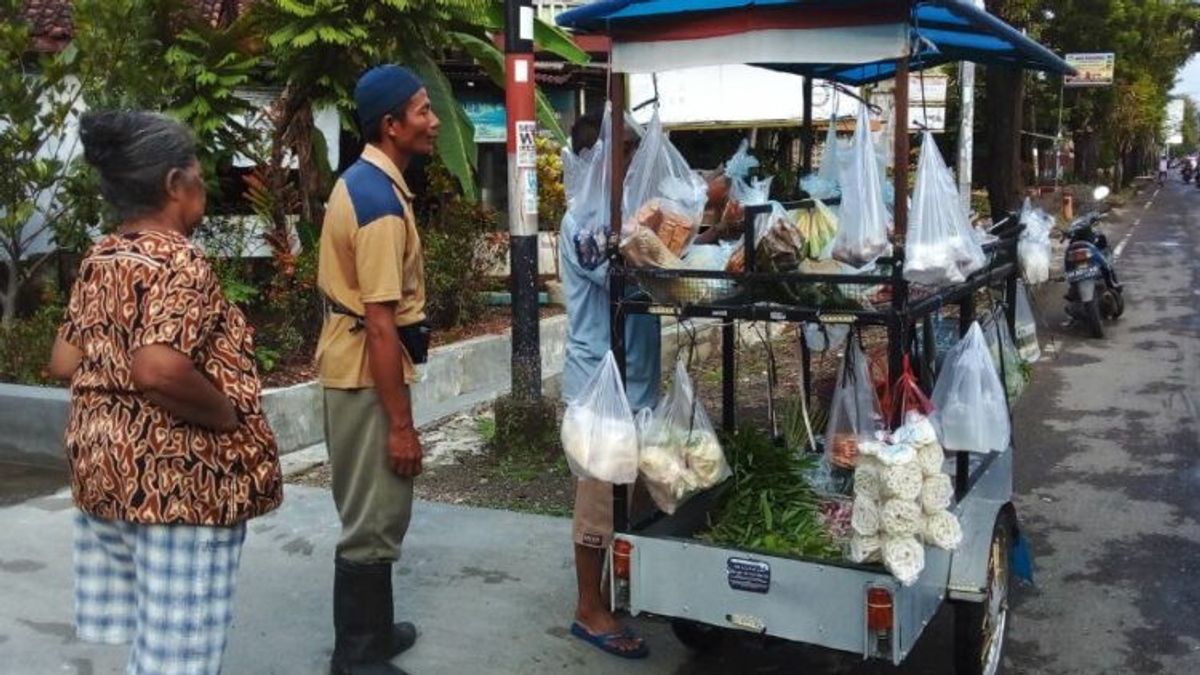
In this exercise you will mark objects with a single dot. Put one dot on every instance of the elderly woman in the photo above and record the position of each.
(169, 451)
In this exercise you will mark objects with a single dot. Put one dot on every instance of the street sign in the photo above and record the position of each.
(1092, 70)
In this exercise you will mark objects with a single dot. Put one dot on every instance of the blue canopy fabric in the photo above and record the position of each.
(943, 31)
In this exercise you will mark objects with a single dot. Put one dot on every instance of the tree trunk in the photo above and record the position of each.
(1005, 102)
(1087, 156)
(8, 299)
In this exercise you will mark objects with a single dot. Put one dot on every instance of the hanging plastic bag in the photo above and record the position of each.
(864, 221)
(940, 248)
(598, 432)
(854, 412)
(587, 183)
(971, 410)
(1004, 353)
(743, 189)
(822, 337)
(1033, 247)
(662, 193)
(680, 453)
(1026, 328)
(826, 183)
(908, 399)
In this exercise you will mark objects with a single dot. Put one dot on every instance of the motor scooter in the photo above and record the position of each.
(1093, 291)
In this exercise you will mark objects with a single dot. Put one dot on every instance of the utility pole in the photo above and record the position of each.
(966, 129)
(522, 199)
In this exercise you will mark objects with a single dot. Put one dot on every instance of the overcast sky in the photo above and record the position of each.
(1188, 80)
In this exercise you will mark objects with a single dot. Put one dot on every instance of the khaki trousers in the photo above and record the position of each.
(375, 505)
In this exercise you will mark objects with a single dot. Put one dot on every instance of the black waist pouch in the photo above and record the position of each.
(415, 338)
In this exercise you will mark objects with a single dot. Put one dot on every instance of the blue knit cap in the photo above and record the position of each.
(381, 90)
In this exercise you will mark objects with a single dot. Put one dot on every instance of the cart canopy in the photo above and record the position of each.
(851, 41)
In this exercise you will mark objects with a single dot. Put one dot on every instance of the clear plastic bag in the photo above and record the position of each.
(864, 220)
(854, 413)
(1026, 328)
(662, 193)
(1002, 349)
(745, 190)
(826, 183)
(971, 410)
(940, 248)
(598, 431)
(1033, 247)
(587, 179)
(680, 452)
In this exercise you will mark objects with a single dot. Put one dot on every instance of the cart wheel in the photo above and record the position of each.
(697, 636)
(980, 627)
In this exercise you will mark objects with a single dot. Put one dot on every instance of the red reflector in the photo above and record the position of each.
(879, 609)
(1080, 255)
(620, 555)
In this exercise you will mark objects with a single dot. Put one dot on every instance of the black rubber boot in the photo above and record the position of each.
(365, 637)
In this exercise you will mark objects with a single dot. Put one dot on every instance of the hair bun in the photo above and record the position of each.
(104, 135)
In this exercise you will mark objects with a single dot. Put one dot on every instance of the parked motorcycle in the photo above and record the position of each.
(1093, 292)
(1186, 173)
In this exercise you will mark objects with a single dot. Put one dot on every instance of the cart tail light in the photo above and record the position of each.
(879, 609)
(1080, 255)
(621, 549)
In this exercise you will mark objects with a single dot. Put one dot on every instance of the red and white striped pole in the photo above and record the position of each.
(522, 198)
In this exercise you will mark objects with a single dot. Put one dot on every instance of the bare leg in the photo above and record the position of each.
(592, 610)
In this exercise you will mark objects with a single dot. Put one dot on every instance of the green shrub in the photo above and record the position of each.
(456, 256)
(25, 344)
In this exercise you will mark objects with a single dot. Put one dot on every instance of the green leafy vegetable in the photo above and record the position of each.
(770, 506)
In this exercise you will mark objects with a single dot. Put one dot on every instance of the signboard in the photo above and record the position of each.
(1093, 70)
(489, 118)
(928, 118)
(931, 89)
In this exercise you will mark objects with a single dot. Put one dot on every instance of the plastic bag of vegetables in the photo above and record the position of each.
(864, 220)
(854, 413)
(598, 432)
(680, 453)
(1004, 354)
(972, 413)
(940, 248)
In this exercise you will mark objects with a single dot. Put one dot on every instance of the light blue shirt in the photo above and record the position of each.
(589, 335)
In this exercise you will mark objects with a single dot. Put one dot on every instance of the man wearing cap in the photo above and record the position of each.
(371, 274)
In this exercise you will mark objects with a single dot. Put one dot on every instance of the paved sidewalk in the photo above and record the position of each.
(491, 590)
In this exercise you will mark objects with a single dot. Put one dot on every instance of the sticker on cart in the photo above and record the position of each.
(753, 576)
(778, 316)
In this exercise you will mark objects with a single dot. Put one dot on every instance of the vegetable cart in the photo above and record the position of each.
(705, 589)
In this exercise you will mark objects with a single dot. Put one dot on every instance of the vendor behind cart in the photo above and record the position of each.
(585, 284)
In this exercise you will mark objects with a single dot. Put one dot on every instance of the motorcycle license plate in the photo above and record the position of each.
(1083, 273)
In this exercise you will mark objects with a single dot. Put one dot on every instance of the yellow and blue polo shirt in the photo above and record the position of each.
(370, 252)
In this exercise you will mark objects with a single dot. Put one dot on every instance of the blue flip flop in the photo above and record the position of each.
(605, 642)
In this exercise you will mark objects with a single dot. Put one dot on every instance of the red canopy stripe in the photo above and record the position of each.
(733, 22)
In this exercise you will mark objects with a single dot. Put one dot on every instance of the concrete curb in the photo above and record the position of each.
(458, 377)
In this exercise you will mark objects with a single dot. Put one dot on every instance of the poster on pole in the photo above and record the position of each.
(1091, 70)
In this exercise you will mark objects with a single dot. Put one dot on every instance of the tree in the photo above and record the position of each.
(320, 47)
(35, 105)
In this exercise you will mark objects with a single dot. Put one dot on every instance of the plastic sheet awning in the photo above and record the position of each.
(850, 41)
